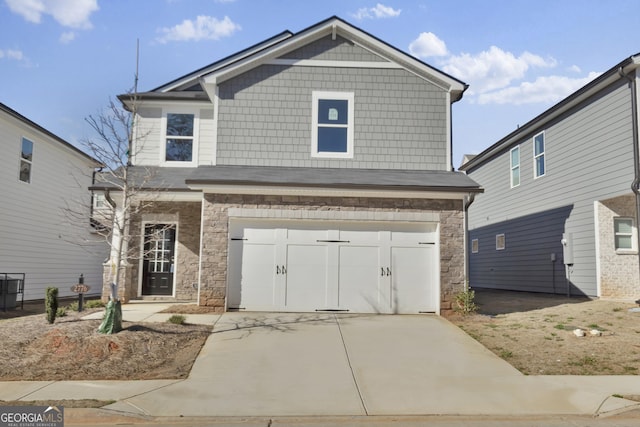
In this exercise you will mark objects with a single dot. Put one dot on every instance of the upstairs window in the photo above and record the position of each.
(180, 137)
(26, 160)
(624, 234)
(332, 124)
(515, 167)
(538, 155)
(500, 242)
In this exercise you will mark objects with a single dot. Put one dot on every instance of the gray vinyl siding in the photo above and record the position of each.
(265, 118)
(589, 157)
(37, 236)
(265, 115)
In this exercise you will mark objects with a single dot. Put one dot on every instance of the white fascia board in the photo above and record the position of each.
(169, 103)
(334, 64)
(160, 196)
(276, 190)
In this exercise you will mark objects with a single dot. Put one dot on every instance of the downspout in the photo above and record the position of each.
(635, 185)
(468, 201)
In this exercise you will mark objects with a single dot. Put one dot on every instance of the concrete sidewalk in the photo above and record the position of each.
(290, 364)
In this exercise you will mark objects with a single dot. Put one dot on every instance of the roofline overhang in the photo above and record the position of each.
(13, 113)
(605, 79)
(334, 26)
(333, 190)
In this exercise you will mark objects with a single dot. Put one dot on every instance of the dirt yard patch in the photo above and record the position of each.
(535, 333)
(72, 349)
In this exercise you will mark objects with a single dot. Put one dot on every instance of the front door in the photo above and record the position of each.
(158, 261)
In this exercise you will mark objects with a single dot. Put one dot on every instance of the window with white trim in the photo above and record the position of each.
(26, 160)
(625, 232)
(332, 124)
(515, 166)
(180, 138)
(539, 166)
(474, 246)
(500, 242)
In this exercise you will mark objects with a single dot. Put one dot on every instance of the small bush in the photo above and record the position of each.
(464, 302)
(177, 319)
(51, 304)
(61, 312)
(93, 303)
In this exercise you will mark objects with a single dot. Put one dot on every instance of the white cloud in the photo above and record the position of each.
(426, 45)
(15, 55)
(547, 89)
(67, 37)
(68, 13)
(377, 12)
(203, 28)
(493, 69)
(575, 69)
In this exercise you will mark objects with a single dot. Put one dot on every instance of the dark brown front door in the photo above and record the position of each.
(159, 249)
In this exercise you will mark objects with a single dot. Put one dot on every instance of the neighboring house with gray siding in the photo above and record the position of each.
(42, 179)
(309, 172)
(560, 208)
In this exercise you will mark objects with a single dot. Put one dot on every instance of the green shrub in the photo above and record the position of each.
(177, 319)
(51, 304)
(464, 302)
(61, 312)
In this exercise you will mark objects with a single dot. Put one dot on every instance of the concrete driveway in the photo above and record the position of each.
(272, 364)
(334, 364)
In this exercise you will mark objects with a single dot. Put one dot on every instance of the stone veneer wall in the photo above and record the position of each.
(216, 222)
(619, 276)
(187, 216)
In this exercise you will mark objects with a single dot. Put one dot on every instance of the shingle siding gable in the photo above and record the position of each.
(327, 49)
(265, 118)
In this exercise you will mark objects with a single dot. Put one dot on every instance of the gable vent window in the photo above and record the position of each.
(179, 137)
(500, 242)
(515, 167)
(332, 124)
(474, 246)
(538, 155)
(26, 160)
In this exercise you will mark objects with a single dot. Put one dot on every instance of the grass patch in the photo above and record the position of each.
(177, 319)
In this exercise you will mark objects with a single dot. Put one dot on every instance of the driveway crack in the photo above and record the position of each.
(353, 375)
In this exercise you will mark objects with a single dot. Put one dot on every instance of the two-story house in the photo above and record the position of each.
(45, 210)
(311, 171)
(560, 208)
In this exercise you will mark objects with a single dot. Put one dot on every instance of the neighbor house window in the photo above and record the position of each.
(332, 124)
(26, 160)
(180, 137)
(500, 242)
(474, 246)
(538, 155)
(624, 234)
(515, 167)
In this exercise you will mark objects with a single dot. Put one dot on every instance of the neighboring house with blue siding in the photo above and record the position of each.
(45, 210)
(560, 208)
(309, 172)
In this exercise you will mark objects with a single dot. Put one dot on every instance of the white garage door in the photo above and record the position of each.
(373, 267)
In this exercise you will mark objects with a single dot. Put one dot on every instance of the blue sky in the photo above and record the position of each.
(61, 60)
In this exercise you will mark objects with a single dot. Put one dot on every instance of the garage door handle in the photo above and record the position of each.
(277, 269)
(281, 270)
(381, 271)
(388, 271)
(284, 270)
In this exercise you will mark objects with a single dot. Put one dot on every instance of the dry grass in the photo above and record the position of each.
(534, 333)
(72, 349)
